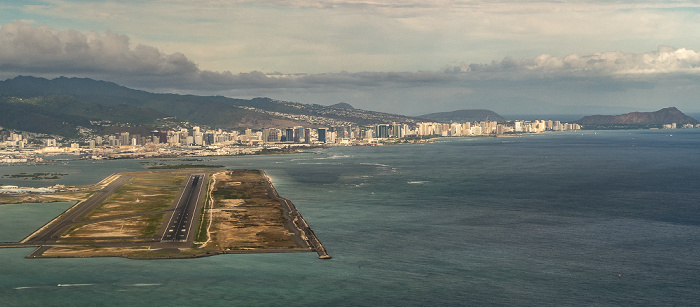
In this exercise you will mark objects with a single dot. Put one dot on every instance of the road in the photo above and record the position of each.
(182, 221)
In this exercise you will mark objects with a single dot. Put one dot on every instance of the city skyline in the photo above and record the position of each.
(25, 147)
(408, 57)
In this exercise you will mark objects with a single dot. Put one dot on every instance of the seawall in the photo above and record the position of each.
(298, 221)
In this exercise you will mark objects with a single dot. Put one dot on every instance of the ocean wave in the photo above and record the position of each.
(374, 164)
(318, 163)
(417, 182)
(334, 157)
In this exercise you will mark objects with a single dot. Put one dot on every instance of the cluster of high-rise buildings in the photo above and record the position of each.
(342, 135)
(19, 147)
(11, 139)
(492, 128)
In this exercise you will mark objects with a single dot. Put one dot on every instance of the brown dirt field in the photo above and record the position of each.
(253, 222)
(127, 227)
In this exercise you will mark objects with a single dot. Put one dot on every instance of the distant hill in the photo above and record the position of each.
(464, 116)
(65, 106)
(342, 105)
(660, 117)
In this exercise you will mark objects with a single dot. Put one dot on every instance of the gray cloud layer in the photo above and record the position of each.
(39, 49)
(43, 51)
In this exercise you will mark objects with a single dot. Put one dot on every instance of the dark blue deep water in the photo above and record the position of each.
(588, 218)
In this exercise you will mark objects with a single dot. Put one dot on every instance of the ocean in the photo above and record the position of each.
(577, 218)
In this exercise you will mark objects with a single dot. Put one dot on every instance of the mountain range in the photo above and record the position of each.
(66, 106)
(71, 107)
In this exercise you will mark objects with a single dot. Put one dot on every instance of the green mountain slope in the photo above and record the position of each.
(464, 116)
(66, 103)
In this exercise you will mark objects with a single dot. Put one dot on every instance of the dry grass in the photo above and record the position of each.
(143, 194)
(244, 215)
(138, 227)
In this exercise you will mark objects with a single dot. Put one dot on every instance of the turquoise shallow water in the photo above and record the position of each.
(592, 218)
(19, 220)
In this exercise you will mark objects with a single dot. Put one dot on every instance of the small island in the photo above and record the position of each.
(173, 214)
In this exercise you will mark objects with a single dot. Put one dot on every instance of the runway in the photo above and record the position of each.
(181, 223)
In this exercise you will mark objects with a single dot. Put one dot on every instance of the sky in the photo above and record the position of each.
(407, 57)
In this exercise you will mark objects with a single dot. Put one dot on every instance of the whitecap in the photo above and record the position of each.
(417, 182)
(374, 164)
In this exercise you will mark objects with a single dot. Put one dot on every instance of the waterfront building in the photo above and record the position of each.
(298, 134)
(518, 126)
(113, 141)
(307, 135)
(476, 130)
(173, 137)
(455, 129)
(124, 138)
(289, 135)
(209, 138)
(321, 132)
(49, 142)
(397, 130)
(271, 135)
(155, 136)
(382, 131)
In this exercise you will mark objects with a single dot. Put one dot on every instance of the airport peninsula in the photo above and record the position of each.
(161, 214)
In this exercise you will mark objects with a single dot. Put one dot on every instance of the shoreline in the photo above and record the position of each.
(298, 221)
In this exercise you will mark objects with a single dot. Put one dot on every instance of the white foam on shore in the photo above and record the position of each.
(74, 285)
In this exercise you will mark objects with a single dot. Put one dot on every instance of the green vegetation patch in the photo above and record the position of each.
(230, 194)
(153, 224)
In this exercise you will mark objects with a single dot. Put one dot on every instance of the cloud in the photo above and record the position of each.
(29, 48)
(666, 60)
(317, 36)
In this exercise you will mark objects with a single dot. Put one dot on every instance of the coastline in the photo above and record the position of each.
(298, 221)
